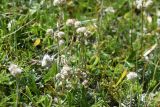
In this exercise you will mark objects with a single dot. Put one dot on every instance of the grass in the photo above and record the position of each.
(95, 63)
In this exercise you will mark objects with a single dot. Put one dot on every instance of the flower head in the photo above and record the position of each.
(84, 83)
(143, 3)
(14, 69)
(109, 10)
(61, 42)
(10, 24)
(77, 24)
(60, 34)
(64, 73)
(65, 69)
(132, 75)
(49, 32)
(58, 2)
(70, 22)
(81, 30)
(47, 59)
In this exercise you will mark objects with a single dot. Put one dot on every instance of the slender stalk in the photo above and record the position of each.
(131, 25)
(100, 16)
(131, 95)
(17, 91)
(142, 27)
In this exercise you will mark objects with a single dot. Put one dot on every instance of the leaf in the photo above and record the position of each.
(37, 42)
(121, 78)
(30, 96)
(51, 73)
(28, 92)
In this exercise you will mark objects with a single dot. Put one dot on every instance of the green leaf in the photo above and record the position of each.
(28, 92)
(51, 73)
(121, 78)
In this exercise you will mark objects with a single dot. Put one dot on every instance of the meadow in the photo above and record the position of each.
(79, 53)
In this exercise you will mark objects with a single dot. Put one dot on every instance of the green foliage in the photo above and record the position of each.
(89, 69)
(51, 73)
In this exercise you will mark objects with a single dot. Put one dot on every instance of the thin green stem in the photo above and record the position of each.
(17, 92)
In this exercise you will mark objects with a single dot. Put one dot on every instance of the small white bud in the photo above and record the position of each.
(55, 99)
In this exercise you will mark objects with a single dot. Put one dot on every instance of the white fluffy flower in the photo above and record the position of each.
(149, 19)
(66, 68)
(46, 60)
(66, 71)
(148, 3)
(77, 24)
(143, 97)
(143, 3)
(61, 42)
(109, 10)
(14, 69)
(81, 30)
(10, 24)
(132, 75)
(70, 22)
(60, 34)
(49, 32)
(85, 82)
(58, 2)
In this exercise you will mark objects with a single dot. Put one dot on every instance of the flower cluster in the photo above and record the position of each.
(64, 73)
(73, 22)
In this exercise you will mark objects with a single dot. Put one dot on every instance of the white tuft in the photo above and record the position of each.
(46, 60)
(132, 75)
(81, 30)
(14, 69)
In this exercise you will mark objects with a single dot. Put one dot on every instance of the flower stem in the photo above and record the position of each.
(17, 91)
